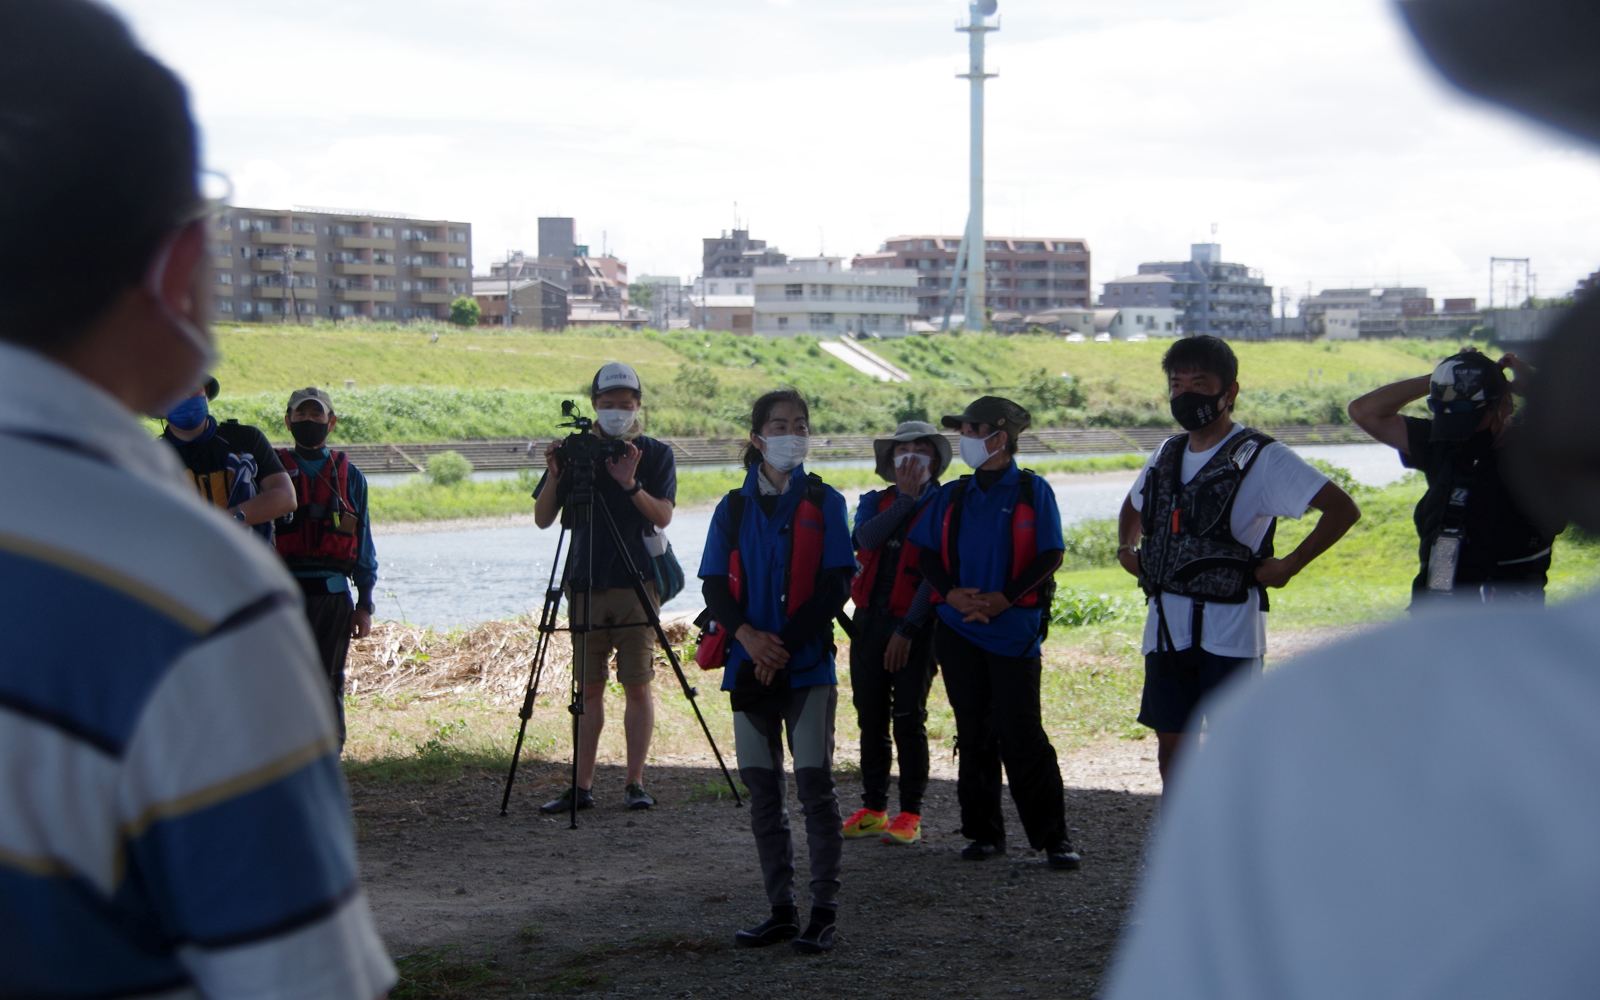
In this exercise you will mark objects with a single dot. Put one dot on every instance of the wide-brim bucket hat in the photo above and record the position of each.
(911, 430)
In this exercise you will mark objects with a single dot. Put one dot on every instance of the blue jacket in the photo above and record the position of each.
(764, 545)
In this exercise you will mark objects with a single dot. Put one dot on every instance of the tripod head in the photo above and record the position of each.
(581, 453)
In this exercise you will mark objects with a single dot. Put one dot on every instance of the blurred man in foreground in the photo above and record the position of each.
(173, 821)
(1412, 815)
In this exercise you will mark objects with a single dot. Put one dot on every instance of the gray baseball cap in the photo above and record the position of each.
(310, 394)
(615, 375)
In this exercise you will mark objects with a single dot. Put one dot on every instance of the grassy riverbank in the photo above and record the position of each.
(422, 500)
(481, 383)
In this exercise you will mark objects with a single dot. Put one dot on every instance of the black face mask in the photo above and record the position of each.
(1194, 410)
(308, 434)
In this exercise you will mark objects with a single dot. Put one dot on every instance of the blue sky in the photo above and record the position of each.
(1309, 131)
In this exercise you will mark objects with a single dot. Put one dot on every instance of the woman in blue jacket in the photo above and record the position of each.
(776, 570)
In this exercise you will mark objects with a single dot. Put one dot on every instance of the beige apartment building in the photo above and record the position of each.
(1024, 274)
(274, 264)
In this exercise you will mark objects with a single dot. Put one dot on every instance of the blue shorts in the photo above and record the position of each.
(1172, 693)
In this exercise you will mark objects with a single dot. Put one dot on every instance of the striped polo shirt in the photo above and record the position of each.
(173, 818)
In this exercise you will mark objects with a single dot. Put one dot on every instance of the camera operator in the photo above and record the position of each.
(232, 464)
(327, 543)
(173, 819)
(639, 488)
(1475, 541)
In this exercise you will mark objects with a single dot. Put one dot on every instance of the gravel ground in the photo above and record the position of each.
(645, 903)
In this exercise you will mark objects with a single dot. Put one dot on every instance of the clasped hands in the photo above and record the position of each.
(766, 652)
(975, 606)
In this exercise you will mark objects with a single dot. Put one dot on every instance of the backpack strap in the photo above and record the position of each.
(736, 501)
(952, 554)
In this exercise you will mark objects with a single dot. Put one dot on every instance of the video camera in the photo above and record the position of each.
(584, 448)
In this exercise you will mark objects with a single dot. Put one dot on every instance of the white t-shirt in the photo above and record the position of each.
(1411, 814)
(1279, 484)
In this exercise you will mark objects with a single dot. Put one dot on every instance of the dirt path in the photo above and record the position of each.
(644, 904)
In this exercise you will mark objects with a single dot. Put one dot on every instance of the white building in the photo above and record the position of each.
(1341, 324)
(818, 296)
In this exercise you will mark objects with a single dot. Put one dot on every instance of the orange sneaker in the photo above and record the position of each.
(865, 823)
(906, 829)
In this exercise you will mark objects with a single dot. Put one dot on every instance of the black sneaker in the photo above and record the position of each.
(635, 797)
(1063, 858)
(819, 934)
(564, 803)
(977, 851)
(782, 926)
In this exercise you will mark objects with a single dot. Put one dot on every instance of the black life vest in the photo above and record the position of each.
(1188, 546)
(1024, 541)
(1467, 494)
(325, 529)
(806, 531)
(907, 571)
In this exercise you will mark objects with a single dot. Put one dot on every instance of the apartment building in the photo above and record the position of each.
(273, 264)
(1024, 274)
(818, 296)
(736, 255)
(1209, 295)
(535, 302)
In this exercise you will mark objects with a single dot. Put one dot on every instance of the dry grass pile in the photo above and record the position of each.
(489, 660)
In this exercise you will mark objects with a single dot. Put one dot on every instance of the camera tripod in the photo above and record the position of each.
(577, 512)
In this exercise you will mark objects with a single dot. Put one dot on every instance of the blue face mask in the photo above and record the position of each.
(189, 414)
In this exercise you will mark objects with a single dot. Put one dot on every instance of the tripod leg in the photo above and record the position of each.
(547, 618)
(654, 619)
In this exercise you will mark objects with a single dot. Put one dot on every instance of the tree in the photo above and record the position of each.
(448, 468)
(642, 296)
(465, 311)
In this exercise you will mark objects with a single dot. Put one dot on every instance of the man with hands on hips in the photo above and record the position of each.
(1197, 529)
(639, 489)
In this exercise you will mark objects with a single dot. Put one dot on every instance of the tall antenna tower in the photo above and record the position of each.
(1516, 271)
(977, 10)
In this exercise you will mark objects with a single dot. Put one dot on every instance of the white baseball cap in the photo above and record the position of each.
(615, 375)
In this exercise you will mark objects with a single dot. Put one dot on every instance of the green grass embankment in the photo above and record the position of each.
(481, 383)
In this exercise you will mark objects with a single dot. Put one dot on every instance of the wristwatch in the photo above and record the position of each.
(637, 486)
(1125, 547)
(238, 515)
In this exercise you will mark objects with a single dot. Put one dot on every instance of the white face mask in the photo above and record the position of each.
(923, 463)
(975, 451)
(785, 451)
(616, 422)
(202, 342)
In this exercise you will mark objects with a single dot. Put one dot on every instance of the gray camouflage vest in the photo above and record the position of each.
(1188, 546)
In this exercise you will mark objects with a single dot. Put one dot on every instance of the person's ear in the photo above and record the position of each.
(1233, 394)
(333, 419)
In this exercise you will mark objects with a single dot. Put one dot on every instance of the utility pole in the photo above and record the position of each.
(976, 29)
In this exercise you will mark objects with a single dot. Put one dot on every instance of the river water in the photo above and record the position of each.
(448, 578)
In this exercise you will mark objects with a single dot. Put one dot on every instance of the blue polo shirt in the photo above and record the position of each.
(985, 551)
(764, 545)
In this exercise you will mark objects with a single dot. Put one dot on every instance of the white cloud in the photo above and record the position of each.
(1310, 131)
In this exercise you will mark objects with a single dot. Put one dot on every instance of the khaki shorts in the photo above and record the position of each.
(635, 647)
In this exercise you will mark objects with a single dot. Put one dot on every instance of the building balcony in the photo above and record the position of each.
(363, 295)
(437, 246)
(281, 239)
(222, 263)
(276, 266)
(441, 272)
(380, 270)
(425, 297)
(363, 243)
(300, 294)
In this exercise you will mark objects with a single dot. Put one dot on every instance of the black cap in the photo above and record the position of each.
(996, 411)
(1460, 390)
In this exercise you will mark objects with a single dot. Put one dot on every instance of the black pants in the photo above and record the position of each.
(329, 615)
(998, 720)
(883, 699)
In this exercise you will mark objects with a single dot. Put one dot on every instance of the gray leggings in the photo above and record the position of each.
(807, 714)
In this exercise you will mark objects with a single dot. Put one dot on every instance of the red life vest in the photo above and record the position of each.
(1024, 541)
(806, 533)
(907, 572)
(325, 532)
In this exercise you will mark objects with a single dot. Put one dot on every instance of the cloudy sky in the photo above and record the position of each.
(1308, 131)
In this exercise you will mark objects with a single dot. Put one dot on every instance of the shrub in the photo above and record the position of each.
(1340, 476)
(1078, 608)
(1090, 544)
(465, 311)
(448, 468)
